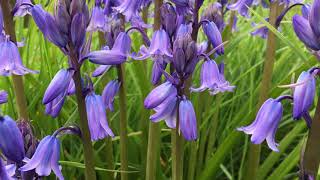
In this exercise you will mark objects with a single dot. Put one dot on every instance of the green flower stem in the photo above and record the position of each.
(86, 140)
(18, 86)
(144, 122)
(311, 158)
(108, 149)
(123, 123)
(254, 150)
(153, 152)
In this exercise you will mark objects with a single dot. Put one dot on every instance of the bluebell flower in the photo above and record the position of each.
(242, 7)
(212, 78)
(183, 7)
(11, 141)
(159, 47)
(6, 172)
(305, 10)
(167, 111)
(48, 26)
(304, 93)
(305, 33)
(214, 35)
(98, 20)
(3, 97)
(187, 120)
(54, 107)
(10, 60)
(214, 14)
(45, 158)
(169, 18)
(97, 119)
(261, 31)
(159, 94)
(131, 8)
(58, 85)
(109, 92)
(22, 8)
(117, 55)
(266, 124)
(78, 31)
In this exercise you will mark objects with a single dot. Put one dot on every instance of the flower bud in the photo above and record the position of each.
(187, 120)
(3, 97)
(305, 33)
(11, 141)
(58, 85)
(168, 18)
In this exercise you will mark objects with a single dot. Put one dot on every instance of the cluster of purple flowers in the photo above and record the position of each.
(174, 45)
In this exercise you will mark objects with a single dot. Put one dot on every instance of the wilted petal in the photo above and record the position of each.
(304, 32)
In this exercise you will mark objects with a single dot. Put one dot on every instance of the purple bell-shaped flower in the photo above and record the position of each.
(45, 158)
(109, 92)
(187, 120)
(10, 60)
(97, 118)
(3, 97)
(265, 124)
(117, 55)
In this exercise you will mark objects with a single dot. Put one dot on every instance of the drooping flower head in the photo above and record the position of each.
(10, 60)
(187, 120)
(304, 93)
(242, 7)
(97, 119)
(266, 124)
(109, 92)
(212, 78)
(98, 20)
(45, 158)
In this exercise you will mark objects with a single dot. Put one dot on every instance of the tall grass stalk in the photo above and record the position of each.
(18, 85)
(254, 150)
(153, 152)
